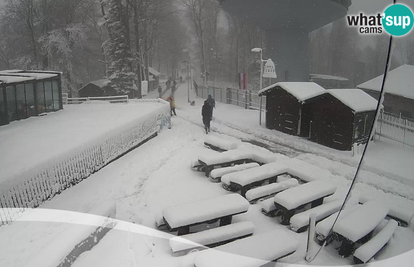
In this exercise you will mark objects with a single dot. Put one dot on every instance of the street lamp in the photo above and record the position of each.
(270, 72)
(259, 50)
(188, 75)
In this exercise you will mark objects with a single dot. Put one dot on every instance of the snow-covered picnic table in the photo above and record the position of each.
(269, 190)
(245, 180)
(359, 224)
(209, 162)
(256, 250)
(294, 198)
(181, 217)
(219, 144)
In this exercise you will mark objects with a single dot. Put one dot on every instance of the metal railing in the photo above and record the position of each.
(110, 99)
(242, 98)
(396, 128)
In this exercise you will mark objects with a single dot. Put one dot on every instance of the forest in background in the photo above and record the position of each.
(119, 39)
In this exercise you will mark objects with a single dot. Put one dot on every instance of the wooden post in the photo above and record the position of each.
(311, 234)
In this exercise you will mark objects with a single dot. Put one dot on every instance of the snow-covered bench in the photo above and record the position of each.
(212, 237)
(368, 250)
(269, 190)
(181, 217)
(209, 162)
(323, 227)
(299, 222)
(297, 197)
(219, 144)
(247, 179)
(358, 225)
(256, 250)
(268, 207)
(401, 210)
(216, 174)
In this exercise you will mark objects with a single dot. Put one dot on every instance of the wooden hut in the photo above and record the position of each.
(97, 88)
(286, 110)
(341, 117)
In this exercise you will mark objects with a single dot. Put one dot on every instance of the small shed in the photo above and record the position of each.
(286, 110)
(97, 88)
(24, 94)
(341, 117)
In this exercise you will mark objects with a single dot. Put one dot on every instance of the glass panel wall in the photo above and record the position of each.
(3, 117)
(11, 103)
(21, 102)
(30, 100)
(40, 96)
(56, 103)
(48, 96)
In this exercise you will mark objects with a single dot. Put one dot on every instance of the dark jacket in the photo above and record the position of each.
(211, 101)
(206, 110)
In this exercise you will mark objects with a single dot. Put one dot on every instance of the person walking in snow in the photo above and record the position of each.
(172, 104)
(159, 91)
(212, 103)
(206, 112)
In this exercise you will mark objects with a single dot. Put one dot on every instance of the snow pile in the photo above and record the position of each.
(212, 236)
(226, 157)
(250, 251)
(356, 99)
(216, 174)
(301, 90)
(369, 249)
(270, 189)
(205, 210)
(249, 176)
(361, 221)
(322, 228)
(301, 220)
(400, 208)
(303, 194)
(220, 143)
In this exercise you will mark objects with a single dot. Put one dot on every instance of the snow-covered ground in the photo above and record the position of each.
(158, 175)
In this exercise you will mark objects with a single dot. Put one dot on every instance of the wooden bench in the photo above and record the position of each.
(256, 250)
(299, 222)
(247, 179)
(224, 159)
(216, 174)
(268, 207)
(298, 197)
(270, 190)
(358, 225)
(323, 227)
(218, 144)
(212, 237)
(181, 217)
(368, 250)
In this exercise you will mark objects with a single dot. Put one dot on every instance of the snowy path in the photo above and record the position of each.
(158, 174)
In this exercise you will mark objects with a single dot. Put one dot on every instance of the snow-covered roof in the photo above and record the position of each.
(14, 76)
(301, 90)
(327, 77)
(100, 83)
(154, 71)
(400, 81)
(355, 99)
(14, 79)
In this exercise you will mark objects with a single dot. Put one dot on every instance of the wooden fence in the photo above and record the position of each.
(396, 128)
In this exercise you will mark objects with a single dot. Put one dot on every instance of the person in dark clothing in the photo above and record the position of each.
(206, 113)
(212, 103)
